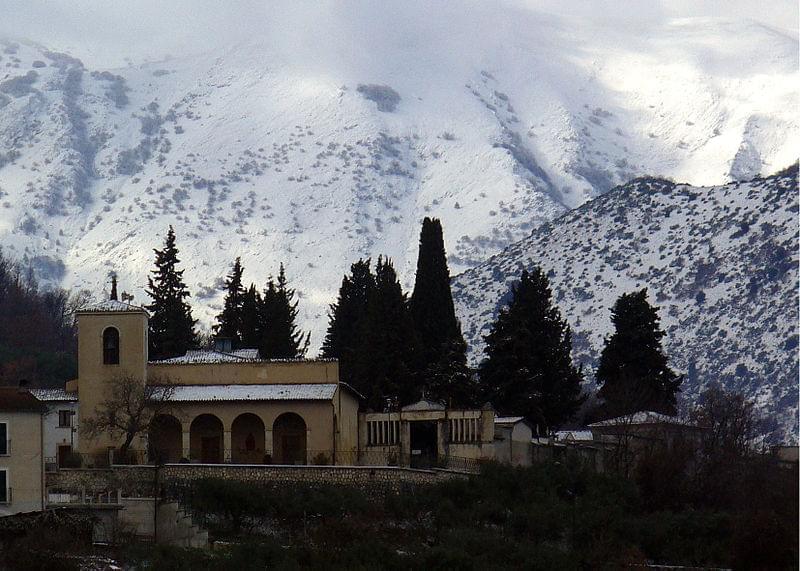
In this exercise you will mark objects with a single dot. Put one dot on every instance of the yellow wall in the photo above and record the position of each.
(25, 463)
(258, 373)
(93, 375)
(346, 408)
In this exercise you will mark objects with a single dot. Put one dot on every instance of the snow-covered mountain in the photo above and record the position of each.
(330, 137)
(720, 262)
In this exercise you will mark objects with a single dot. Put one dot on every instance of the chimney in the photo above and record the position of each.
(223, 344)
(113, 287)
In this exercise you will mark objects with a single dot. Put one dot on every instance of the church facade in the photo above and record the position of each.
(229, 406)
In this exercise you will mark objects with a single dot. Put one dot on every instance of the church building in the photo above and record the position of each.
(230, 406)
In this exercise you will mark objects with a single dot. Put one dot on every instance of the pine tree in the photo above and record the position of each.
(529, 369)
(347, 317)
(281, 338)
(172, 330)
(384, 365)
(229, 321)
(251, 324)
(633, 372)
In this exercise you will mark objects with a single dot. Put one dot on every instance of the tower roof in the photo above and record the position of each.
(112, 306)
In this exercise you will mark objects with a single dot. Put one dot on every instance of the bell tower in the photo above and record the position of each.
(112, 342)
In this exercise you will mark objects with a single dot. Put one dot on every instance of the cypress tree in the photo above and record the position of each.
(529, 369)
(633, 373)
(229, 321)
(346, 318)
(251, 326)
(383, 368)
(172, 330)
(281, 338)
(432, 302)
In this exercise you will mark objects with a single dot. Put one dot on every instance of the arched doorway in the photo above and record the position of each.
(247, 439)
(289, 439)
(166, 439)
(205, 439)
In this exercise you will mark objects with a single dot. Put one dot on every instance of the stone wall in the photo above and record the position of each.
(138, 480)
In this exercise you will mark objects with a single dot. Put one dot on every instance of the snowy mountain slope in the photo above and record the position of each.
(331, 136)
(720, 262)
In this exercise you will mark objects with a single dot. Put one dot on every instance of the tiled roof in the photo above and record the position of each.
(642, 417)
(508, 419)
(204, 356)
(110, 305)
(13, 399)
(574, 435)
(54, 395)
(208, 356)
(204, 393)
(423, 405)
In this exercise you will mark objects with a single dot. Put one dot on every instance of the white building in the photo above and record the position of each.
(60, 425)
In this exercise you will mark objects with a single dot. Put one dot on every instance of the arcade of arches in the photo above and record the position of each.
(248, 439)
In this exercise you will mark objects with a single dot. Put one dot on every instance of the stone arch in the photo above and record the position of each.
(247, 439)
(111, 346)
(289, 439)
(206, 439)
(166, 439)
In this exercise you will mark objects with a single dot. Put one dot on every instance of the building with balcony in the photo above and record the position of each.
(21, 459)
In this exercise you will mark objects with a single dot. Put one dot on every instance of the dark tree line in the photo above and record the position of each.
(38, 338)
(393, 349)
(264, 320)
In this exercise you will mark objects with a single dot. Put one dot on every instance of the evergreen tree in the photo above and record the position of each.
(229, 321)
(432, 302)
(529, 369)
(449, 379)
(114, 286)
(383, 368)
(172, 330)
(347, 317)
(280, 336)
(251, 321)
(633, 373)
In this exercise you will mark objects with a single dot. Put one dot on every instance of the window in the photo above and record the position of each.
(5, 491)
(111, 346)
(64, 418)
(383, 432)
(463, 430)
(4, 443)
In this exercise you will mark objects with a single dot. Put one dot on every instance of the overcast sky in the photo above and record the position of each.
(107, 33)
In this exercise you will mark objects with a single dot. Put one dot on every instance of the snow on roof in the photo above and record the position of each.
(574, 435)
(203, 393)
(508, 419)
(205, 356)
(641, 417)
(423, 404)
(246, 353)
(110, 305)
(53, 395)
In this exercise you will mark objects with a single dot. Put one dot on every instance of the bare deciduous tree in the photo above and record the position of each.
(129, 409)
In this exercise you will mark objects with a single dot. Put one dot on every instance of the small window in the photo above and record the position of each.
(64, 418)
(111, 346)
(3, 439)
(5, 492)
